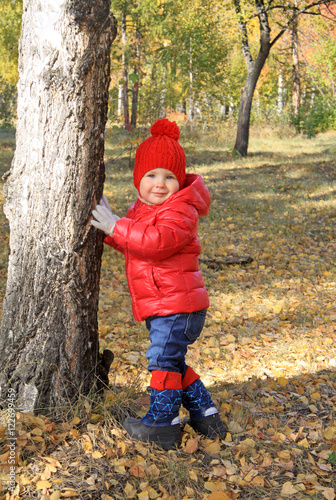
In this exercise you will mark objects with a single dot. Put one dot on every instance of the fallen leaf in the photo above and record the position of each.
(191, 446)
(329, 493)
(288, 489)
(212, 448)
(40, 485)
(219, 495)
(137, 471)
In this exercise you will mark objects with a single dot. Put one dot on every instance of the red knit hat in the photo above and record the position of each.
(161, 150)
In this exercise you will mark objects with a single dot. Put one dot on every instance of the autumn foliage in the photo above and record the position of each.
(267, 353)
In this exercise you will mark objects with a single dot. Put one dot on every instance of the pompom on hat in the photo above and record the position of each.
(161, 150)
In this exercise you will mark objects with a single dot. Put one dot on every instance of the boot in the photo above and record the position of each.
(204, 417)
(161, 425)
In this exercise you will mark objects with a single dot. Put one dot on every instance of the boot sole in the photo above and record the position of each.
(167, 437)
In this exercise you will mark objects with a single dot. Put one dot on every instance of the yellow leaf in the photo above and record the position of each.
(40, 485)
(288, 489)
(212, 448)
(230, 338)
(215, 486)
(285, 454)
(96, 417)
(225, 407)
(153, 470)
(282, 381)
(258, 481)
(304, 443)
(329, 493)
(56, 495)
(277, 308)
(97, 454)
(193, 475)
(219, 495)
(329, 433)
(75, 421)
(87, 445)
(143, 495)
(36, 432)
(250, 475)
(129, 490)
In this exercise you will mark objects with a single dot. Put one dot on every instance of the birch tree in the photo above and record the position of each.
(274, 19)
(49, 348)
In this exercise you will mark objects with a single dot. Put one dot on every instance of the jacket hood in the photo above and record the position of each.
(195, 193)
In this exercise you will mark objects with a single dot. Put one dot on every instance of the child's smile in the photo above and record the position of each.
(158, 185)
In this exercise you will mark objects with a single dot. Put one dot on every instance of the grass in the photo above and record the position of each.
(267, 353)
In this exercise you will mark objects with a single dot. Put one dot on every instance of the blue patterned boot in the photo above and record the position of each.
(204, 417)
(161, 424)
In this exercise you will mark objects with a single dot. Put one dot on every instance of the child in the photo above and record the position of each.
(159, 239)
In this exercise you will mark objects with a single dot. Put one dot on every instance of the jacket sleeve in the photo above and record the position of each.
(110, 241)
(172, 231)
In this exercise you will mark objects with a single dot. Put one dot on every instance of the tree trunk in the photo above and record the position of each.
(191, 99)
(281, 103)
(125, 69)
(254, 68)
(296, 68)
(246, 97)
(135, 90)
(49, 335)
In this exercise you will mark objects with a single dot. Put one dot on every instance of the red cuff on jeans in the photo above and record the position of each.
(161, 380)
(189, 377)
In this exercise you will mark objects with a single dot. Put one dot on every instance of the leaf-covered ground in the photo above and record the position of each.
(267, 353)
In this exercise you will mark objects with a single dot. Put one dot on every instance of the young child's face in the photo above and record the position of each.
(158, 185)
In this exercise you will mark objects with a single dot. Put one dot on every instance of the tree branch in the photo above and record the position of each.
(296, 13)
(243, 31)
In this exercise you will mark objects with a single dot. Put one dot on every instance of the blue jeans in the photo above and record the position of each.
(170, 337)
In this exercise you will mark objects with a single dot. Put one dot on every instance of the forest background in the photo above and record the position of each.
(268, 349)
(185, 60)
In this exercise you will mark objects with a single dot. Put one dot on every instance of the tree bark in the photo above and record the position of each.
(135, 90)
(296, 96)
(49, 337)
(125, 69)
(254, 68)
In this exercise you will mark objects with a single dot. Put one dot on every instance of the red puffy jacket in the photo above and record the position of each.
(161, 248)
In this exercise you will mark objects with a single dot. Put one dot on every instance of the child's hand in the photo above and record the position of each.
(104, 219)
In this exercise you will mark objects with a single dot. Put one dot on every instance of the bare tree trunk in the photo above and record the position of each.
(125, 69)
(296, 96)
(254, 68)
(191, 104)
(281, 103)
(49, 336)
(135, 90)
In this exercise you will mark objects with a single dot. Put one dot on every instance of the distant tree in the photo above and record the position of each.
(10, 23)
(49, 348)
(277, 16)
